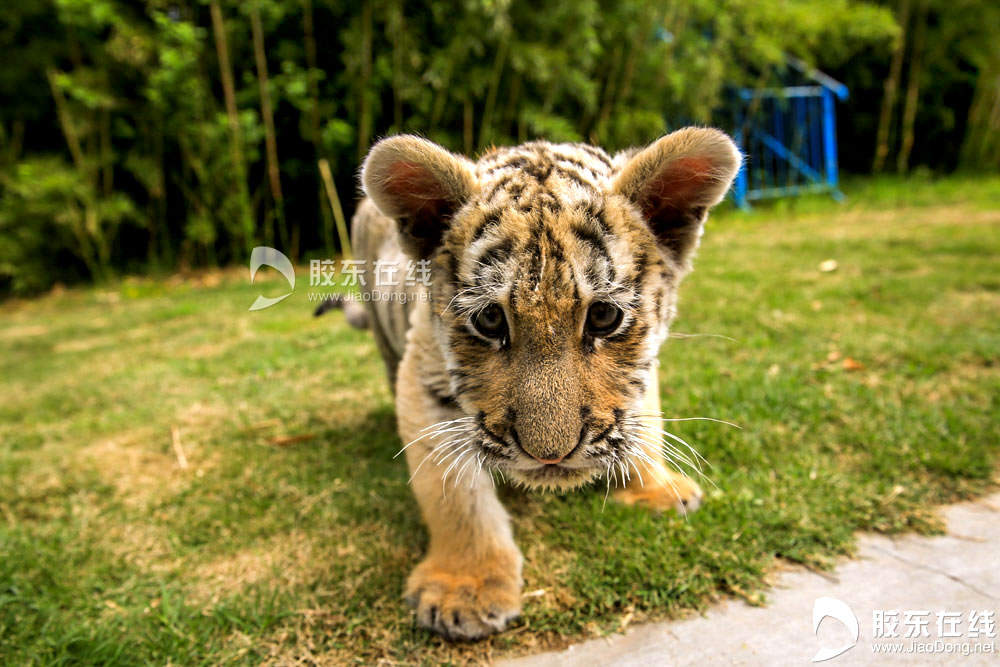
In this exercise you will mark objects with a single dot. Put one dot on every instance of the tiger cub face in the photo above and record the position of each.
(555, 270)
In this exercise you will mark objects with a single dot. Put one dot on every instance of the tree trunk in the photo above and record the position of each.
(513, 96)
(236, 141)
(15, 142)
(675, 22)
(981, 144)
(364, 110)
(396, 26)
(160, 250)
(467, 125)
(891, 86)
(629, 71)
(107, 156)
(66, 123)
(312, 62)
(270, 140)
(440, 98)
(613, 94)
(228, 90)
(84, 224)
(331, 192)
(912, 89)
(607, 97)
(486, 129)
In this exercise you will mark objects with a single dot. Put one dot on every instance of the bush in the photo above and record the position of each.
(53, 226)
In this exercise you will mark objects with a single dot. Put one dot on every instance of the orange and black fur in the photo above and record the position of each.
(532, 354)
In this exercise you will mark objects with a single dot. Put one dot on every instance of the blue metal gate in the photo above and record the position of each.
(789, 137)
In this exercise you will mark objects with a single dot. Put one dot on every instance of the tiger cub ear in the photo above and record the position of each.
(420, 185)
(675, 181)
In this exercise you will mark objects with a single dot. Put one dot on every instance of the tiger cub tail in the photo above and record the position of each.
(354, 310)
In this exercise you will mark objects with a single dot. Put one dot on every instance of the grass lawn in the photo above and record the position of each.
(866, 395)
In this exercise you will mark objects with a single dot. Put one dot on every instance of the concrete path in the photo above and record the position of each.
(958, 574)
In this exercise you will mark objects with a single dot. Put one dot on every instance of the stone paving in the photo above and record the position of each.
(952, 578)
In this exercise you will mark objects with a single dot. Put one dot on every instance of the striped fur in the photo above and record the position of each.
(543, 232)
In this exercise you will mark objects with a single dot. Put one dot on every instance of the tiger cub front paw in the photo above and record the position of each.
(670, 491)
(463, 600)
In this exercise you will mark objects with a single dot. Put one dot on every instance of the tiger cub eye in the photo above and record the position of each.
(490, 321)
(603, 319)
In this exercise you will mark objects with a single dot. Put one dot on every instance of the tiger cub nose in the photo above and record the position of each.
(548, 462)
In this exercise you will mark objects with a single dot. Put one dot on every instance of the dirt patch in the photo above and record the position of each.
(141, 544)
(284, 561)
(26, 331)
(959, 308)
(962, 380)
(84, 344)
(198, 415)
(143, 468)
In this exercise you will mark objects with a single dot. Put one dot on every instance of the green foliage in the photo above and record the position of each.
(48, 209)
(142, 114)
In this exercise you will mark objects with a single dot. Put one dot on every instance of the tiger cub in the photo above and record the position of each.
(532, 352)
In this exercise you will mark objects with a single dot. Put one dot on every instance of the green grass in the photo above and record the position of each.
(113, 554)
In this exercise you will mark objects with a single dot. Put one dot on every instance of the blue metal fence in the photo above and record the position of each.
(789, 137)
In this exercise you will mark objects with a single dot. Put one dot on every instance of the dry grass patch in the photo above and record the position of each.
(143, 469)
(283, 562)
